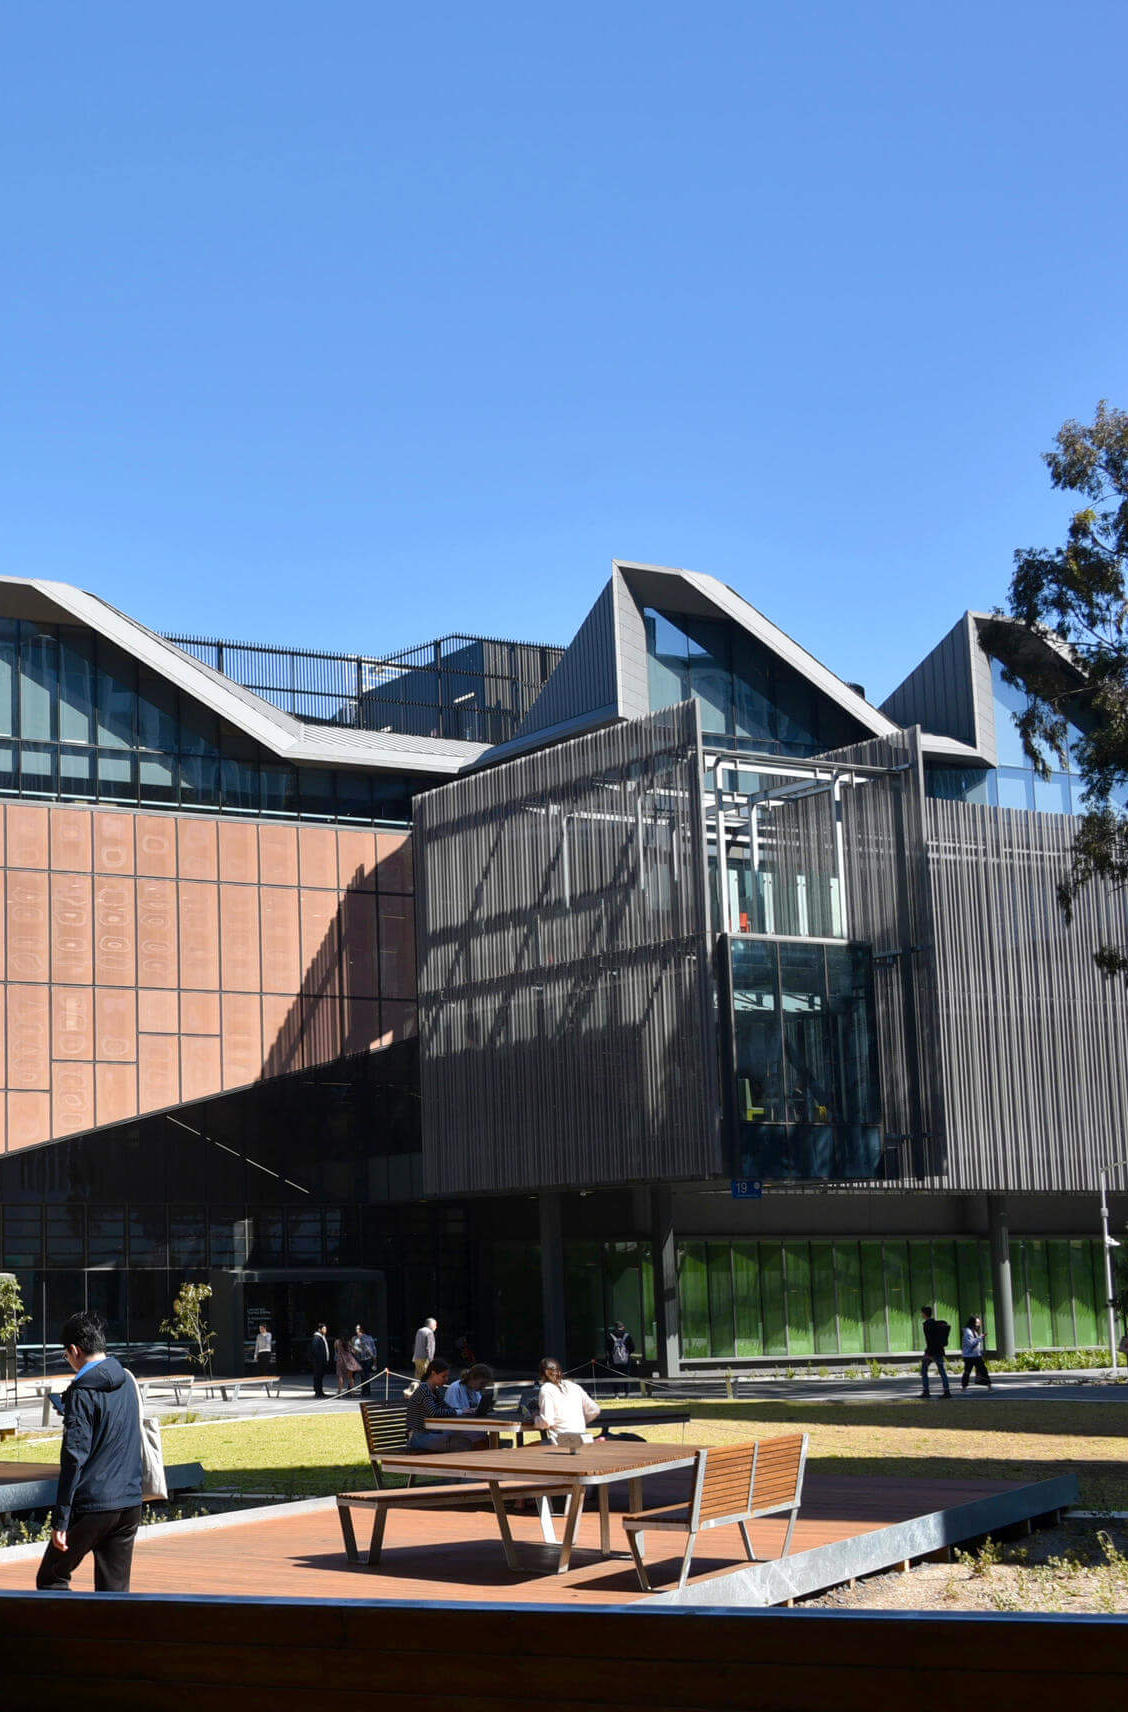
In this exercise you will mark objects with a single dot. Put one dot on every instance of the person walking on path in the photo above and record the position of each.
(424, 1351)
(620, 1348)
(320, 1358)
(972, 1345)
(936, 1335)
(98, 1507)
(264, 1349)
(364, 1348)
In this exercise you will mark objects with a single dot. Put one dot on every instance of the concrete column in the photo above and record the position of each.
(665, 1281)
(552, 1275)
(1001, 1274)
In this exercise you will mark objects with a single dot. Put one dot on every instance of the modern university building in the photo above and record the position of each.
(660, 977)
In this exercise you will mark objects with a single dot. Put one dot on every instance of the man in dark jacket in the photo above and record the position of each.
(936, 1335)
(321, 1359)
(98, 1507)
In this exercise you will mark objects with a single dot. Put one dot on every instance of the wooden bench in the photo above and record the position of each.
(385, 1434)
(234, 1386)
(731, 1484)
(463, 1495)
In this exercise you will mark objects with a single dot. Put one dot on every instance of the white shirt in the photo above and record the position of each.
(264, 1343)
(565, 1409)
(424, 1344)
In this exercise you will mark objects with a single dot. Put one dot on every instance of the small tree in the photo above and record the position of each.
(188, 1320)
(13, 1318)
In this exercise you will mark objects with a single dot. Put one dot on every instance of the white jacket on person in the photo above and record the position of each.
(565, 1408)
(972, 1344)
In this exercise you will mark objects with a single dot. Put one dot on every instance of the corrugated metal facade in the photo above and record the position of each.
(566, 1008)
(1033, 1040)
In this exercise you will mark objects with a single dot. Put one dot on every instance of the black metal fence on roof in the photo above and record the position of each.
(475, 689)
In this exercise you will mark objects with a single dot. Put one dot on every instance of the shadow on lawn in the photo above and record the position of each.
(965, 1414)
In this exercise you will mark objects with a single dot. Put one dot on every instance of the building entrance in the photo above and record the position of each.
(292, 1304)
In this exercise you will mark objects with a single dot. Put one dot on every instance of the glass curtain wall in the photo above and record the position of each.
(743, 1300)
(807, 1094)
(82, 721)
(747, 696)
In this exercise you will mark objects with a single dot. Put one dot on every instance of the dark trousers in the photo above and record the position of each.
(318, 1381)
(975, 1364)
(109, 1534)
(366, 1378)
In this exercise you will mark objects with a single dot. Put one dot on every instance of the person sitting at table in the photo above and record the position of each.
(473, 1393)
(562, 1406)
(427, 1403)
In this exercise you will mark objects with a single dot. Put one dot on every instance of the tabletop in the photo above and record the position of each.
(590, 1464)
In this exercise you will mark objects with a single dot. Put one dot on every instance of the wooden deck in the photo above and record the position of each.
(434, 1555)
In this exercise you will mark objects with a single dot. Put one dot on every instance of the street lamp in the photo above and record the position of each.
(1109, 1244)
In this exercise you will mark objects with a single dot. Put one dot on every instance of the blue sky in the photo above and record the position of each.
(346, 327)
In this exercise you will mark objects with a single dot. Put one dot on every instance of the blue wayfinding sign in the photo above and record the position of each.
(747, 1189)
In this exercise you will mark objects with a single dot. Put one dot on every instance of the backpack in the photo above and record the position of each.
(620, 1354)
(942, 1332)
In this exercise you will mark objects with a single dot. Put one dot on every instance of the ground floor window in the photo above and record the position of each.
(749, 1299)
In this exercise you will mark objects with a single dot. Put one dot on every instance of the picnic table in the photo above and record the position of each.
(577, 1470)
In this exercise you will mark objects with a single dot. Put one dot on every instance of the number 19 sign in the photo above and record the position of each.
(747, 1189)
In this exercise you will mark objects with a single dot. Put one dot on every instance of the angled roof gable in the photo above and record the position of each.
(287, 737)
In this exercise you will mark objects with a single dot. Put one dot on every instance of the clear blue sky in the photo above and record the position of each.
(348, 325)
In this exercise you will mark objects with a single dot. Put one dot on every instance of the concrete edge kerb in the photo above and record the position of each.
(193, 1524)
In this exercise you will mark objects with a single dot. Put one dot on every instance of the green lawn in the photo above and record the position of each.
(972, 1437)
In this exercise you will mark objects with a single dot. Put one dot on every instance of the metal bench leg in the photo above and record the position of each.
(691, 1541)
(376, 1543)
(46, 1418)
(635, 1542)
(747, 1538)
(503, 1523)
(790, 1531)
(348, 1534)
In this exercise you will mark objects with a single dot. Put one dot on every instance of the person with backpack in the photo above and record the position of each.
(620, 1348)
(936, 1335)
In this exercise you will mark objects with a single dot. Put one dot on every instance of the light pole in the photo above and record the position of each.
(1109, 1243)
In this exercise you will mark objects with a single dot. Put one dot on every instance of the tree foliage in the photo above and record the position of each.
(188, 1320)
(1075, 598)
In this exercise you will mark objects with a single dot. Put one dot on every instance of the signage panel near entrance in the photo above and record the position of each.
(747, 1189)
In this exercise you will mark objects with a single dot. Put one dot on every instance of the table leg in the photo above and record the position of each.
(575, 1507)
(605, 1520)
(634, 1500)
(503, 1524)
(46, 1409)
(548, 1531)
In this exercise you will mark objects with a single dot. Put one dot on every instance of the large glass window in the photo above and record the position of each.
(806, 1095)
(747, 695)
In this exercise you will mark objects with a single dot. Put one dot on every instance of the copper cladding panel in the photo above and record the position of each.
(238, 851)
(242, 1039)
(115, 932)
(29, 1037)
(393, 870)
(158, 1071)
(200, 1072)
(72, 929)
(29, 1119)
(28, 841)
(156, 846)
(158, 1011)
(72, 1022)
(359, 961)
(239, 938)
(28, 927)
(113, 843)
(278, 855)
(72, 1098)
(157, 961)
(199, 1013)
(356, 859)
(72, 833)
(397, 947)
(317, 848)
(199, 851)
(115, 1024)
(281, 1034)
(115, 1092)
(282, 966)
(320, 942)
(199, 935)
